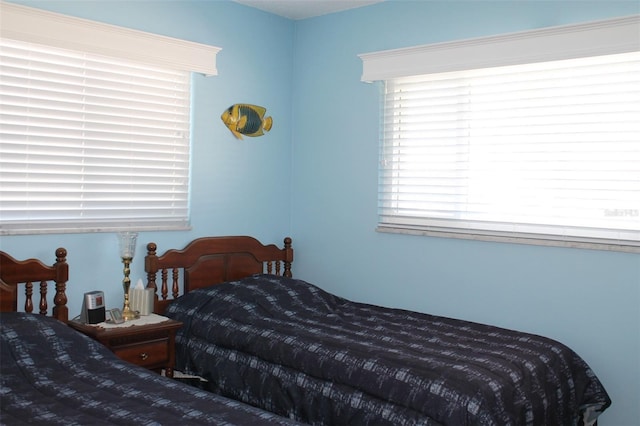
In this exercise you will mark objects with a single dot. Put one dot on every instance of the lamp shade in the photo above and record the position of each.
(127, 242)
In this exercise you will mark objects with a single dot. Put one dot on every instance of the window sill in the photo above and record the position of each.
(514, 238)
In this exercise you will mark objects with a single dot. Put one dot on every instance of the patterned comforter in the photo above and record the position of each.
(289, 347)
(53, 375)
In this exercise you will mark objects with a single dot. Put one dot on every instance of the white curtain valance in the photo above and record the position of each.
(605, 37)
(53, 29)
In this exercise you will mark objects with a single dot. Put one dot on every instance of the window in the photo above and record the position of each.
(91, 142)
(539, 150)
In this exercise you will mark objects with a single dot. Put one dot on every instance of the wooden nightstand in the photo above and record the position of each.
(151, 346)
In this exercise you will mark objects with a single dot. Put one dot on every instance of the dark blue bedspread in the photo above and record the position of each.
(53, 375)
(287, 346)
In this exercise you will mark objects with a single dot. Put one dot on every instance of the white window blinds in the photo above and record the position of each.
(546, 150)
(91, 142)
(549, 148)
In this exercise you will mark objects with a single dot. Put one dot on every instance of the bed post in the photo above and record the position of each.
(151, 266)
(60, 309)
(288, 258)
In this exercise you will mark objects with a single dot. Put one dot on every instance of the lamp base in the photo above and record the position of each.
(128, 314)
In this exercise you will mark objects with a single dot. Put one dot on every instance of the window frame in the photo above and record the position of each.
(556, 43)
(26, 24)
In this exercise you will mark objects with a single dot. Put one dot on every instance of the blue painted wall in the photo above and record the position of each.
(314, 177)
(589, 300)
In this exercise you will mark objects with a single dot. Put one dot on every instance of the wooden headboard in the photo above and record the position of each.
(212, 260)
(14, 272)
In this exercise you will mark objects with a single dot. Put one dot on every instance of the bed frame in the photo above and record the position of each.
(212, 260)
(14, 272)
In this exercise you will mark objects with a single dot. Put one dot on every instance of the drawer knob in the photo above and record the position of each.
(144, 356)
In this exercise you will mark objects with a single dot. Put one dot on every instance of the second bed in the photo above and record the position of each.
(259, 336)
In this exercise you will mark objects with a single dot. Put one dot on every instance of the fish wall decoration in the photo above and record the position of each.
(246, 119)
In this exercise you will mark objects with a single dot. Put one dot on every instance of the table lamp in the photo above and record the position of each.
(127, 242)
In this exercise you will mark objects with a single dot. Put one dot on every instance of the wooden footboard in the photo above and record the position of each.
(14, 272)
(212, 260)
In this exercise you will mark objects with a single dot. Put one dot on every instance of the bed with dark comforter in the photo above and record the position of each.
(51, 374)
(289, 347)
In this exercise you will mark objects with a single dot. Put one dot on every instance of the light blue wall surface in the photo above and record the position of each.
(589, 300)
(314, 177)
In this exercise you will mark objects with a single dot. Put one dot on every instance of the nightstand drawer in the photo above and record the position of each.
(145, 354)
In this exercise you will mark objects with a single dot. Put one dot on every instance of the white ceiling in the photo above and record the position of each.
(302, 9)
